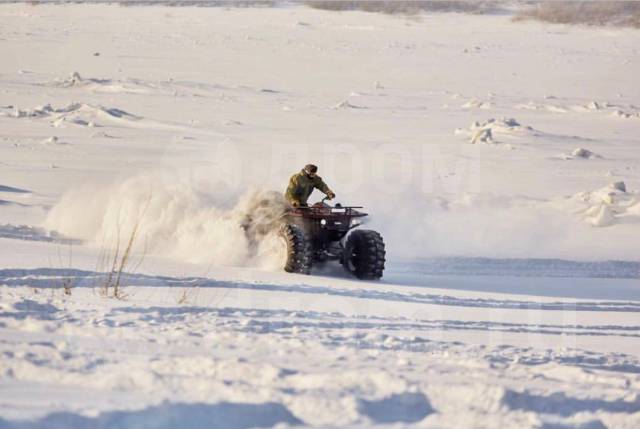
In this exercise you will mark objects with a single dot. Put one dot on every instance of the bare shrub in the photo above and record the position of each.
(624, 13)
(66, 282)
(403, 6)
(189, 292)
(121, 263)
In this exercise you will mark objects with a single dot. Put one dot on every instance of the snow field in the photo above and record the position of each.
(468, 137)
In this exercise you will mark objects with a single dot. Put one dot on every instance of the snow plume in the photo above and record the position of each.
(178, 219)
(202, 223)
(502, 226)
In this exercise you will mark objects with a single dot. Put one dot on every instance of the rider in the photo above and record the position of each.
(302, 184)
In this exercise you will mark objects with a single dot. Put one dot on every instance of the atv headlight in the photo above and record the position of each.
(323, 222)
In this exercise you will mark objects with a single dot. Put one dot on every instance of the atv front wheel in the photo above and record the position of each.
(299, 252)
(364, 254)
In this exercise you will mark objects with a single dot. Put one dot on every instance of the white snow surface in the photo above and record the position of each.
(500, 160)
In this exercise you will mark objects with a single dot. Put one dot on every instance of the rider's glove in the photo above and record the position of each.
(331, 195)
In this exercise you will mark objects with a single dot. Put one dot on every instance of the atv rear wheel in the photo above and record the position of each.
(364, 254)
(299, 251)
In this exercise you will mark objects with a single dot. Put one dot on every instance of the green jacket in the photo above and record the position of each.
(301, 186)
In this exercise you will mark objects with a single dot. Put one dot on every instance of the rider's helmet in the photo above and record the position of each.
(311, 169)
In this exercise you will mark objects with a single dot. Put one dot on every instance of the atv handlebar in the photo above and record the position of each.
(325, 211)
(337, 206)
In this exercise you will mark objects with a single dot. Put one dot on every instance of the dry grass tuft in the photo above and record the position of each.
(403, 6)
(121, 263)
(621, 13)
(66, 282)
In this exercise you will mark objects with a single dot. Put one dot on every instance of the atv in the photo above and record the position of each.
(316, 234)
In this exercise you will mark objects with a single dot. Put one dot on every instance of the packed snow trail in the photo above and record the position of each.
(205, 349)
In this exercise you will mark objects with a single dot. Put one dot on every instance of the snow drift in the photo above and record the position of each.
(77, 114)
(609, 205)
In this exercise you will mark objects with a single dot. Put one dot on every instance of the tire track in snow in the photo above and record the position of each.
(260, 320)
(42, 278)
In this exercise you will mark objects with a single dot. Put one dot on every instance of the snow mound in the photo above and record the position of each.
(624, 115)
(36, 112)
(537, 106)
(582, 153)
(591, 106)
(594, 105)
(587, 108)
(609, 205)
(485, 132)
(506, 131)
(345, 104)
(142, 87)
(477, 104)
(80, 114)
(132, 86)
(176, 219)
(73, 80)
(53, 140)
